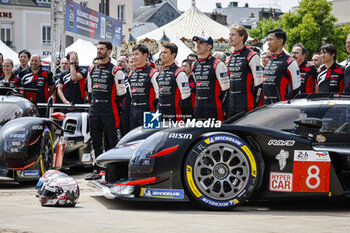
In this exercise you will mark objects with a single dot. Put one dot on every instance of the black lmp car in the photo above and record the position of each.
(31, 145)
(299, 148)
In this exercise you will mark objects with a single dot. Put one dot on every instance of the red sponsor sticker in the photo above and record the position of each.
(311, 171)
(281, 181)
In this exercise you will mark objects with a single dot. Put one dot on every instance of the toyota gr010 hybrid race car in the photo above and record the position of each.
(29, 145)
(290, 149)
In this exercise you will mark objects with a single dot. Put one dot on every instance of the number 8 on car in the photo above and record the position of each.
(311, 171)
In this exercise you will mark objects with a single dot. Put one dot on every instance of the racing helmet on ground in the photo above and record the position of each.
(57, 189)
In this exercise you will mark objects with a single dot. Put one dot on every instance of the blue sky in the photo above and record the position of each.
(209, 5)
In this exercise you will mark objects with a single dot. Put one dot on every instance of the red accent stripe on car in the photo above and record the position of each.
(22, 168)
(33, 141)
(139, 182)
(165, 151)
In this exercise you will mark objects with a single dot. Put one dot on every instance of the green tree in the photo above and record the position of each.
(263, 26)
(312, 24)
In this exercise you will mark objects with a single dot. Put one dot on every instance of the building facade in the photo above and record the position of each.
(246, 16)
(341, 9)
(159, 14)
(26, 24)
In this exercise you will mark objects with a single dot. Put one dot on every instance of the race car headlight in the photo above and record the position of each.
(142, 155)
(15, 138)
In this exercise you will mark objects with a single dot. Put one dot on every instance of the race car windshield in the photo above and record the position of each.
(9, 111)
(275, 118)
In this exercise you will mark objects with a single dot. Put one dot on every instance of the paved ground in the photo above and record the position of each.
(20, 211)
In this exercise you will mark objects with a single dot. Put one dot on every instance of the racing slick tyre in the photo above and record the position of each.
(220, 172)
(46, 151)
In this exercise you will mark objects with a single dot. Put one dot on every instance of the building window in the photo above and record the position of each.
(43, 1)
(6, 34)
(46, 35)
(4, 1)
(121, 13)
(84, 3)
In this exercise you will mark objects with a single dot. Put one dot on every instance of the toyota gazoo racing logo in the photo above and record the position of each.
(281, 143)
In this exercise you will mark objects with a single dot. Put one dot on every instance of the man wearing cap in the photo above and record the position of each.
(212, 83)
(245, 74)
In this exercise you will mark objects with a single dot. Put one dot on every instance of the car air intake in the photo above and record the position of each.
(70, 126)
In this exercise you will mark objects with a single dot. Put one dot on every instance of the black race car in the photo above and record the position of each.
(30, 145)
(299, 148)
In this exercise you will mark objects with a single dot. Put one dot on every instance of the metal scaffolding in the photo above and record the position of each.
(58, 11)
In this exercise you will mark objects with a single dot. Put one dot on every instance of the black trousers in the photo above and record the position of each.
(102, 123)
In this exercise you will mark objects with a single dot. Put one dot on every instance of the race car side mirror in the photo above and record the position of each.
(58, 116)
(309, 122)
(309, 127)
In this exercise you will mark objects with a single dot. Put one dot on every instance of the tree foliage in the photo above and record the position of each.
(312, 24)
(263, 27)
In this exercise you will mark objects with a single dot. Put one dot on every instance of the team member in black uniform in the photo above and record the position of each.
(308, 74)
(37, 78)
(8, 79)
(347, 66)
(212, 83)
(316, 60)
(331, 77)
(106, 86)
(143, 85)
(125, 113)
(245, 74)
(281, 75)
(174, 91)
(187, 68)
(23, 57)
(1, 61)
(72, 82)
(64, 66)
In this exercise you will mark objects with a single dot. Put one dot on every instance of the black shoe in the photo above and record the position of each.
(95, 175)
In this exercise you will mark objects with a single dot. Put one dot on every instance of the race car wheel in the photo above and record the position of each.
(220, 172)
(46, 151)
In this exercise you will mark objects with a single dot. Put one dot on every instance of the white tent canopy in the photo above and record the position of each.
(191, 23)
(86, 50)
(8, 53)
(182, 51)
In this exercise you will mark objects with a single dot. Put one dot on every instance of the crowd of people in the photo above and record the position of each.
(204, 86)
